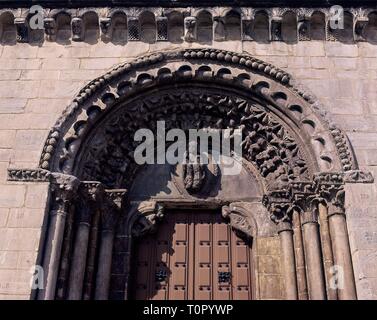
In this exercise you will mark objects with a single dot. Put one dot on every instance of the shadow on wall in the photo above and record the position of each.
(64, 26)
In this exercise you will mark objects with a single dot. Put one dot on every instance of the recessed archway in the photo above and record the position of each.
(300, 159)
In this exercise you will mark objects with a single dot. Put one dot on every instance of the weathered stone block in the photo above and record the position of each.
(7, 138)
(61, 64)
(25, 218)
(98, 63)
(36, 195)
(4, 212)
(12, 196)
(12, 105)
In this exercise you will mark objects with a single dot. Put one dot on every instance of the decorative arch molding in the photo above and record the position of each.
(285, 99)
(303, 159)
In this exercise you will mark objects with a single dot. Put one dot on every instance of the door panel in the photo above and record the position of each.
(194, 255)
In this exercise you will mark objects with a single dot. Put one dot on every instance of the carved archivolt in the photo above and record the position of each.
(286, 134)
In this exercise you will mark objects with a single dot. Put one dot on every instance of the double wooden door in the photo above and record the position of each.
(194, 255)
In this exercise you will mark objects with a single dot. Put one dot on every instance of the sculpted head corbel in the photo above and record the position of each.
(239, 220)
(145, 217)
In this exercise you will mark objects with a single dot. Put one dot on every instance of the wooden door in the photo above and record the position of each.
(194, 255)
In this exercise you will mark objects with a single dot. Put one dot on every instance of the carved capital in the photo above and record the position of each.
(147, 215)
(333, 196)
(111, 209)
(64, 189)
(279, 205)
(238, 219)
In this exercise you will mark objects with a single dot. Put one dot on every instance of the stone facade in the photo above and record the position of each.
(40, 78)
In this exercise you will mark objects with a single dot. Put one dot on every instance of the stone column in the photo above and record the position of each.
(63, 189)
(341, 248)
(313, 257)
(328, 260)
(288, 259)
(86, 209)
(281, 213)
(300, 258)
(110, 211)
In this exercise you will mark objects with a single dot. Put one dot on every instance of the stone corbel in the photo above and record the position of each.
(303, 27)
(106, 27)
(22, 28)
(162, 28)
(361, 20)
(238, 220)
(50, 28)
(275, 25)
(247, 18)
(78, 29)
(190, 29)
(218, 28)
(247, 26)
(360, 25)
(148, 214)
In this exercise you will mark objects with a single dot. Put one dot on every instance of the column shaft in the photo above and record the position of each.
(53, 252)
(289, 264)
(342, 256)
(104, 265)
(300, 258)
(328, 260)
(313, 259)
